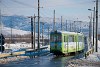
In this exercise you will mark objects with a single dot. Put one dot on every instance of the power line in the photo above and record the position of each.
(8, 4)
(3, 4)
(21, 3)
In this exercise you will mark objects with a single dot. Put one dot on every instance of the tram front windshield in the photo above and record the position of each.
(55, 38)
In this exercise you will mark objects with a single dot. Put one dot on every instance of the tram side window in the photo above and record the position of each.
(65, 38)
(71, 38)
(79, 38)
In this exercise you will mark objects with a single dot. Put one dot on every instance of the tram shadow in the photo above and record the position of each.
(78, 54)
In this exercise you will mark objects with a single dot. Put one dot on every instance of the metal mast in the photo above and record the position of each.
(96, 26)
(66, 25)
(93, 23)
(0, 30)
(54, 22)
(90, 30)
(48, 37)
(42, 34)
(38, 25)
(0, 21)
(34, 30)
(61, 23)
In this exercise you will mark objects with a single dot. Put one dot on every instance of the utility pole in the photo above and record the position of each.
(11, 28)
(48, 37)
(34, 30)
(66, 25)
(54, 22)
(93, 23)
(70, 27)
(0, 19)
(0, 30)
(80, 26)
(61, 23)
(38, 24)
(74, 27)
(96, 46)
(31, 31)
(90, 30)
(0, 23)
(42, 34)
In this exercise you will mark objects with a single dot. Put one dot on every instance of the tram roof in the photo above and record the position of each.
(65, 32)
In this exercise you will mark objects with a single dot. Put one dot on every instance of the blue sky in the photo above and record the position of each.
(69, 9)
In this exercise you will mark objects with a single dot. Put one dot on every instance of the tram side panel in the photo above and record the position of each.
(72, 43)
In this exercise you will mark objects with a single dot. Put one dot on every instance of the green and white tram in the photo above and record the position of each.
(63, 42)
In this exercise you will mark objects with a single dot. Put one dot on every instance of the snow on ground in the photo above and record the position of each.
(19, 46)
(98, 46)
(96, 55)
(93, 60)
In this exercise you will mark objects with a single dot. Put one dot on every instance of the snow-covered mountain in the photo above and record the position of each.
(16, 22)
(23, 23)
(9, 31)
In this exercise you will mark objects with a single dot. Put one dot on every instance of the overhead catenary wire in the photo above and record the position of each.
(3, 5)
(21, 3)
(13, 2)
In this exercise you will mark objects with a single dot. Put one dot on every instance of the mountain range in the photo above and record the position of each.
(23, 23)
